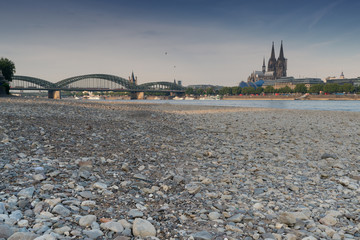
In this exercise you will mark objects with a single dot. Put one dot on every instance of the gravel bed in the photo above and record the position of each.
(110, 170)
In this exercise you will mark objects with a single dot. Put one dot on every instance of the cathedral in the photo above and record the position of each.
(276, 68)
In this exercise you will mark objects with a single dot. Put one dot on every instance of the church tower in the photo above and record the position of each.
(272, 61)
(263, 66)
(281, 64)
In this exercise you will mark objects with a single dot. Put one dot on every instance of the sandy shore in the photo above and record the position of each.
(88, 170)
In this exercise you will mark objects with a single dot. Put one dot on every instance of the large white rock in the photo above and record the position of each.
(87, 220)
(143, 228)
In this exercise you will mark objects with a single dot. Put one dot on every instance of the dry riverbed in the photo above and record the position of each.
(88, 170)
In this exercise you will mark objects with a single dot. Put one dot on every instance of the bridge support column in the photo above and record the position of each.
(54, 94)
(137, 95)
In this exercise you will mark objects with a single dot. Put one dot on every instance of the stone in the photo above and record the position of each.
(143, 228)
(93, 234)
(99, 185)
(134, 213)
(5, 231)
(112, 226)
(26, 192)
(203, 235)
(61, 210)
(290, 218)
(328, 220)
(193, 188)
(23, 236)
(87, 220)
(214, 215)
(23, 223)
(45, 237)
(2, 208)
(236, 218)
(62, 230)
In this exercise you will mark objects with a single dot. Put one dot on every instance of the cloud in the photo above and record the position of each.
(322, 13)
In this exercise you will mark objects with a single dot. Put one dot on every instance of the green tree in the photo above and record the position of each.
(259, 90)
(316, 88)
(269, 89)
(331, 87)
(210, 91)
(225, 91)
(189, 91)
(248, 90)
(285, 89)
(200, 91)
(235, 90)
(300, 88)
(8, 68)
(347, 87)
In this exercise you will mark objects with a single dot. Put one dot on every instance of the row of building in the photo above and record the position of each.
(275, 75)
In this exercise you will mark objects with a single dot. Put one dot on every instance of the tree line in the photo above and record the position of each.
(299, 88)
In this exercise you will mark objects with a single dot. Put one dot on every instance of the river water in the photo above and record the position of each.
(326, 105)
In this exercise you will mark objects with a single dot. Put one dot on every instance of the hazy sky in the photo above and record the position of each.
(197, 41)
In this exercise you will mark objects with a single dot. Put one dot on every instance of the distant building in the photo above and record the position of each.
(292, 82)
(342, 80)
(133, 79)
(205, 86)
(276, 68)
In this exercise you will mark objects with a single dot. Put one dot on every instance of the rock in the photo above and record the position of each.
(26, 192)
(61, 210)
(214, 215)
(2, 208)
(328, 155)
(62, 230)
(134, 213)
(87, 220)
(100, 185)
(23, 223)
(45, 237)
(290, 218)
(23, 236)
(236, 218)
(328, 220)
(112, 226)
(203, 235)
(5, 231)
(143, 228)
(193, 187)
(93, 234)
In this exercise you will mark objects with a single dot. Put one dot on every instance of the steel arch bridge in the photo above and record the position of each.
(64, 84)
(119, 80)
(41, 82)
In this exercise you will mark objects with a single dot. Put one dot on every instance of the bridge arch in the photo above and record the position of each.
(160, 85)
(119, 80)
(37, 81)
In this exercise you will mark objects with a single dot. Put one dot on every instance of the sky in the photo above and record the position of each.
(217, 42)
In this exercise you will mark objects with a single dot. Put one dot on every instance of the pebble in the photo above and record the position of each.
(143, 228)
(192, 172)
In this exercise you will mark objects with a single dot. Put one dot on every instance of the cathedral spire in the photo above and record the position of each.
(281, 55)
(263, 66)
(273, 52)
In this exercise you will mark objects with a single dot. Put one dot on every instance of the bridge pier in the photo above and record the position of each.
(137, 95)
(54, 94)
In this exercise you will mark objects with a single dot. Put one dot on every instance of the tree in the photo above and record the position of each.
(316, 88)
(269, 89)
(300, 88)
(331, 87)
(347, 87)
(189, 91)
(225, 91)
(8, 68)
(200, 91)
(285, 89)
(248, 90)
(235, 90)
(259, 90)
(210, 91)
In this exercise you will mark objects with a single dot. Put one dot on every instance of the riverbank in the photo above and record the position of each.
(347, 97)
(76, 169)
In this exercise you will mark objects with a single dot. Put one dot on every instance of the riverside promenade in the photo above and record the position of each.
(112, 170)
